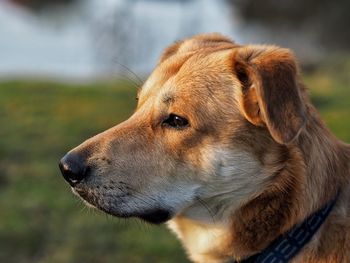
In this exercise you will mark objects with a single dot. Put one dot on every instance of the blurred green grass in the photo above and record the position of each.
(40, 220)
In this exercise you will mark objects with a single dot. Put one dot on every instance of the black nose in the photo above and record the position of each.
(73, 168)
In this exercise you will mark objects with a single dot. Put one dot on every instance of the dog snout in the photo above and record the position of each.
(73, 168)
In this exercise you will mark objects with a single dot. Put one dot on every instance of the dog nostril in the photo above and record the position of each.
(73, 168)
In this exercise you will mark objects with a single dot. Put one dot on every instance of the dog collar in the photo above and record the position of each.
(286, 246)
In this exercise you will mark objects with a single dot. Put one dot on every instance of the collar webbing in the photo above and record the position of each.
(286, 246)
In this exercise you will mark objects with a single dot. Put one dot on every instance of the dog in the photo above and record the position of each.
(227, 149)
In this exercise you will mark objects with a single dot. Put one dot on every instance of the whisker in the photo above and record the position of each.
(142, 195)
(205, 205)
(129, 79)
(137, 78)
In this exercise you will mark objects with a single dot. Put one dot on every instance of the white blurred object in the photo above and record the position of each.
(98, 36)
(30, 47)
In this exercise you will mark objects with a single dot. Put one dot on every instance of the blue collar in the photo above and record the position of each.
(286, 246)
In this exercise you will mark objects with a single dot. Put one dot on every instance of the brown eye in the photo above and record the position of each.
(175, 121)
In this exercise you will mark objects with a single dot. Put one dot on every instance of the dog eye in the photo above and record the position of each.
(175, 121)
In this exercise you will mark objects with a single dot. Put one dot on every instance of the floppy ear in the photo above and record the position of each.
(270, 95)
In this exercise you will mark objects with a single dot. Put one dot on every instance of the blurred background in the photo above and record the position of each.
(70, 69)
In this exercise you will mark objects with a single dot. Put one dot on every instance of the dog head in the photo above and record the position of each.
(207, 123)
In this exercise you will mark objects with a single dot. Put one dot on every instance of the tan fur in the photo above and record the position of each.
(255, 160)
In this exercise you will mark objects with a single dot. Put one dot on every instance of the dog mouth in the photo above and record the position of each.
(87, 199)
(155, 216)
(152, 215)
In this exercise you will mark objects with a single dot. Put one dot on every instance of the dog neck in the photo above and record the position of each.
(303, 184)
(326, 161)
(288, 245)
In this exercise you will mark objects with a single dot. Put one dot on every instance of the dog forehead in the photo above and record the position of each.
(189, 72)
(205, 68)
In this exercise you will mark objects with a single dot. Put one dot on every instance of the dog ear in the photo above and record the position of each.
(270, 95)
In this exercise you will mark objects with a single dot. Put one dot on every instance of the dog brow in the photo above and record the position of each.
(168, 98)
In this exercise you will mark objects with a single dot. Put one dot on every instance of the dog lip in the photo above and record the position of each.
(82, 194)
(155, 216)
